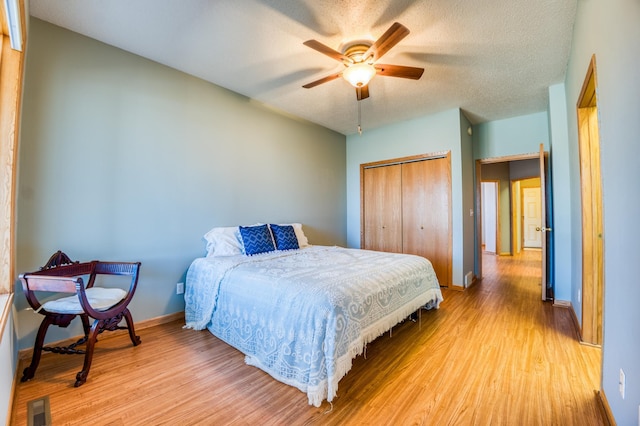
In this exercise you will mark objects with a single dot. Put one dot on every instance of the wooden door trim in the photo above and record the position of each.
(11, 88)
(591, 207)
(508, 158)
(515, 220)
(450, 284)
(419, 157)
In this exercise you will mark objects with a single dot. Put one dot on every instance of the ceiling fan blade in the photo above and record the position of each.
(322, 80)
(362, 92)
(399, 71)
(322, 48)
(394, 34)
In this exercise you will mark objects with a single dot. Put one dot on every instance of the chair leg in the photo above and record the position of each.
(30, 371)
(81, 377)
(86, 327)
(132, 332)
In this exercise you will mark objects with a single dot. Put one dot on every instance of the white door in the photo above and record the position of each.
(532, 220)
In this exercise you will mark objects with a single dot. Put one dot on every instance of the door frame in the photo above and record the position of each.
(591, 206)
(478, 204)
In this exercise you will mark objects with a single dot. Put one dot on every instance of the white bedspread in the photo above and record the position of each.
(303, 315)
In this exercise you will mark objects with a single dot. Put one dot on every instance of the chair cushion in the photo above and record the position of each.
(100, 299)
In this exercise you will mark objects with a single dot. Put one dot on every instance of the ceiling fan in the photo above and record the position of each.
(360, 61)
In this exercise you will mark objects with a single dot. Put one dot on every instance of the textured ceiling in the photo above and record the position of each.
(493, 59)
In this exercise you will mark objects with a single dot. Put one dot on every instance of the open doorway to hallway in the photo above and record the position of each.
(510, 210)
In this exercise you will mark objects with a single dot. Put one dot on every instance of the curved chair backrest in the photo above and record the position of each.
(58, 258)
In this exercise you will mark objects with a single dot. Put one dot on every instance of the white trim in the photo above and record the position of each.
(12, 9)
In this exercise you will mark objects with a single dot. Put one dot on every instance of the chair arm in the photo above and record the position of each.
(131, 269)
(35, 282)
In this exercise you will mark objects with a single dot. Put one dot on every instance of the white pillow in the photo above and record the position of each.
(297, 227)
(224, 241)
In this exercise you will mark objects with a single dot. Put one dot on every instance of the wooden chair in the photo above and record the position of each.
(107, 306)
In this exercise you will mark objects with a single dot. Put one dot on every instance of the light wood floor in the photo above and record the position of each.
(493, 354)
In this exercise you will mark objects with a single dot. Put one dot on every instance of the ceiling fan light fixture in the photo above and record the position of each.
(359, 74)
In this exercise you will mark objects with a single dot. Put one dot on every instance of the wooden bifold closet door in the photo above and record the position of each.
(406, 208)
(383, 215)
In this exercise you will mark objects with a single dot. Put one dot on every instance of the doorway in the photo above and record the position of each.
(591, 196)
(520, 208)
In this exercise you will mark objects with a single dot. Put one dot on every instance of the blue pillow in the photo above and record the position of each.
(256, 239)
(285, 237)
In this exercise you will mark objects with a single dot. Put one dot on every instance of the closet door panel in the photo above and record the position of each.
(382, 210)
(426, 198)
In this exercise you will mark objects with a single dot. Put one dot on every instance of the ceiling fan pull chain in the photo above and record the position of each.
(359, 114)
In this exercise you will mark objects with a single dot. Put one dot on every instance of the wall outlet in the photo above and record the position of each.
(179, 288)
(579, 296)
(621, 383)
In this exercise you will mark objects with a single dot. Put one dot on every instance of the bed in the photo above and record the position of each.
(303, 314)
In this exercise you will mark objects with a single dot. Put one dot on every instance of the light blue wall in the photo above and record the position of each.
(611, 31)
(468, 198)
(511, 136)
(125, 159)
(561, 160)
(434, 133)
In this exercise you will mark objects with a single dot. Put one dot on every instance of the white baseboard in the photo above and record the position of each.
(562, 304)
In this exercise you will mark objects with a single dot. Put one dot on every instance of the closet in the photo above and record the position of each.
(406, 208)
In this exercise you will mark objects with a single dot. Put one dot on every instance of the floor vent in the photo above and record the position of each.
(38, 412)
